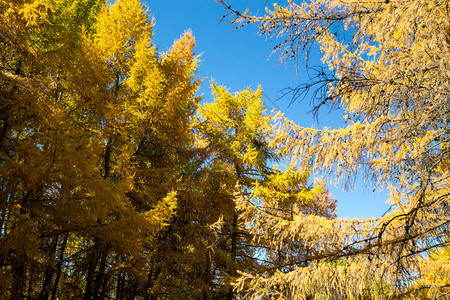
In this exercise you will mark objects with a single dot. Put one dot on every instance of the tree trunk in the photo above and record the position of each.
(101, 272)
(50, 270)
(92, 261)
(4, 131)
(31, 278)
(19, 277)
(152, 276)
(234, 240)
(119, 287)
(59, 266)
(206, 295)
(104, 290)
(133, 291)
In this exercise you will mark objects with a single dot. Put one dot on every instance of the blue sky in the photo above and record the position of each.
(241, 59)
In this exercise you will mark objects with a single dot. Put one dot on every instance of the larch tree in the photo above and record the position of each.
(388, 65)
(114, 183)
(232, 128)
(88, 108)
(237, 135)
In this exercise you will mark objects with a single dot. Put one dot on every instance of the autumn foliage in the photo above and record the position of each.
(118, 182)
(387, 70)
(115, 182)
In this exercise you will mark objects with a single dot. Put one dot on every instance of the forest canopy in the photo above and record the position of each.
(115, 182)
(118, 182)
(388, 72)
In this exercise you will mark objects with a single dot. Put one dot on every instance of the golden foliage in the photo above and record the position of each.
(391, 82)
(81, 82)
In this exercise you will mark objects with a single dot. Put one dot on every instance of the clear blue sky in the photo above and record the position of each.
(241, 59)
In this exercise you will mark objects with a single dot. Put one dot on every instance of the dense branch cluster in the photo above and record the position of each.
(114, 182)
(388, 71)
